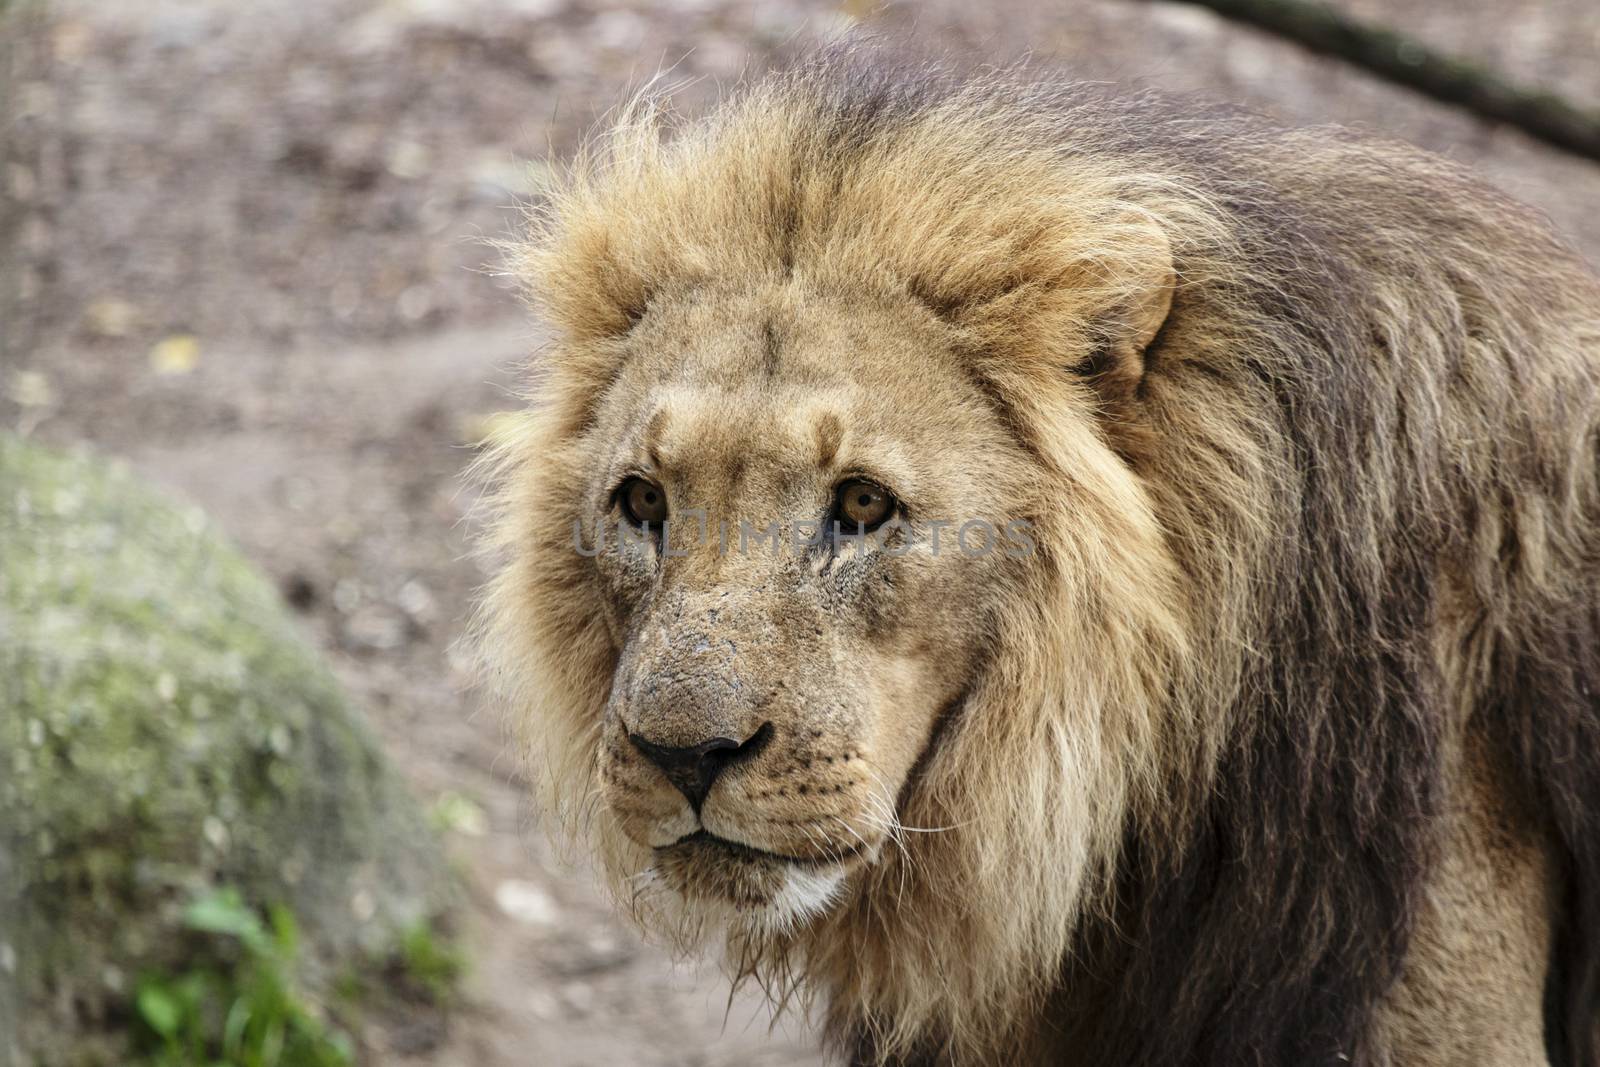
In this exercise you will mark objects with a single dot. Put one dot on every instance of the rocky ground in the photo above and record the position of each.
(248, 254)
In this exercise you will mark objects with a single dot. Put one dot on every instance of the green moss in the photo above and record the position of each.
(164, 729)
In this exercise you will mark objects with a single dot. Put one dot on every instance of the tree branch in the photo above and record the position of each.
(1407, 62)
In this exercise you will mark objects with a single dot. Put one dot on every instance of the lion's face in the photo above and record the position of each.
(897, 767)
(761, 489)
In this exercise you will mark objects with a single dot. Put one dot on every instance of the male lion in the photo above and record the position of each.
(1248, 711)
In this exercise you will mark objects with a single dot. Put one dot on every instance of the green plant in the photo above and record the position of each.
(430, 964)
(242, 1011)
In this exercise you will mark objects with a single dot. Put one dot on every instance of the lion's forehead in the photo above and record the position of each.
(790, 340)
(758, 397)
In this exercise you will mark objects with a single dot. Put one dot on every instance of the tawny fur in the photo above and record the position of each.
(1318, 570)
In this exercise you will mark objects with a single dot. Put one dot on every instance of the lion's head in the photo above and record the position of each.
(753, 486)
(834, 614)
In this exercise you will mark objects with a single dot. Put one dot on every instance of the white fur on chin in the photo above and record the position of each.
(807, 893)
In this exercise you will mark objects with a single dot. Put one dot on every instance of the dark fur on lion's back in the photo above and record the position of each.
(1393, 285)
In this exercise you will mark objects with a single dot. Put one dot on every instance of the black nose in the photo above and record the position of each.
(693, 768)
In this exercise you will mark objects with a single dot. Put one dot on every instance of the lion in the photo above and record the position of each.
(1248, 711)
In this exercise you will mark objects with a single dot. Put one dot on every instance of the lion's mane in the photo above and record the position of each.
(1187, 806)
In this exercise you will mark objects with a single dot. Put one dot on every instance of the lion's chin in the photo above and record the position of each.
(745, 887)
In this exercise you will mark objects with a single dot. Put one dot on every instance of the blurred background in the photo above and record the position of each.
(243, 250)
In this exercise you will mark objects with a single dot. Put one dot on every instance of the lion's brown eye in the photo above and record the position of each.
(644, 503)
(862, 505)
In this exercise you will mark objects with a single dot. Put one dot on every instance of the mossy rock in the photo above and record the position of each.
(163, 730)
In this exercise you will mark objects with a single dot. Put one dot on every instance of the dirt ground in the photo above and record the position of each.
(247, 256)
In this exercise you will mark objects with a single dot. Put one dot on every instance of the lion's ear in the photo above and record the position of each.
(1123, 333)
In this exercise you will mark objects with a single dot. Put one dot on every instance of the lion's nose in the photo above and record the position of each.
(693, 768)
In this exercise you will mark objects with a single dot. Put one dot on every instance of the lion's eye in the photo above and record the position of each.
(644, 503)
(861, 505)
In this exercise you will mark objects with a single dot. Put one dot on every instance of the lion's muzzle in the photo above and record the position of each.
(692, 769)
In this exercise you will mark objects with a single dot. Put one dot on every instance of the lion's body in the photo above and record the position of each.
(1288, 750)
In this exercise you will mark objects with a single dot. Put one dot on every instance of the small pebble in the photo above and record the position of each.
(525, 902)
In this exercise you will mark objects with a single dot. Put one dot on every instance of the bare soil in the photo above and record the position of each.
(249, 259)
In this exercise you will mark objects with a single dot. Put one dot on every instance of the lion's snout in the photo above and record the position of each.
(692, 769)
(731, 772)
